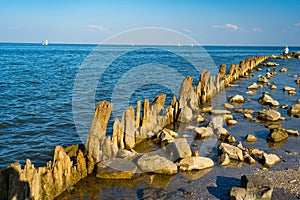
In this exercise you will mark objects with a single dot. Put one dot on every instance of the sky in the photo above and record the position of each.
(224, 22)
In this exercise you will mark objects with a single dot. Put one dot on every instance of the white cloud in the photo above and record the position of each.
(227, 26)
(297, 24)
(98, 28)
(187, 30)
(257, 29)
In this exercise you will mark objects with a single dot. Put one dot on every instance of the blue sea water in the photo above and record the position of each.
(37, 85)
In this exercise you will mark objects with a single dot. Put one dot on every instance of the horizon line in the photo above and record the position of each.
(183, 45)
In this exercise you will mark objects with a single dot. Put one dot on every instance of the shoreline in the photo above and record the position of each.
(64, 173)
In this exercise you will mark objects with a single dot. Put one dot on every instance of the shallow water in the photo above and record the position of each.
(211, 183)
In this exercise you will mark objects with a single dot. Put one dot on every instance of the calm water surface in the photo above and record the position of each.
(36, 87)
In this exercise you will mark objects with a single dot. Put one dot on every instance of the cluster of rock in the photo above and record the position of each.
(231, 154)
(68, 167)
(114, 156)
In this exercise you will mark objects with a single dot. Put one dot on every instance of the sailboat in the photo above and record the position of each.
(45, 43)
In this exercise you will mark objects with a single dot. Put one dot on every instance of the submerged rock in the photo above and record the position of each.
(116, 168)
(195, 163)
(288, 88)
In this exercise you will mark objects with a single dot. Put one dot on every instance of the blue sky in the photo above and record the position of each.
(208, 22)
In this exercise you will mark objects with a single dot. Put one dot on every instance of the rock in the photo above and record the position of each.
(248, 159)
(237, 99)
(259, 69)
(195, 163)
(170, 132)
(116, 168)
(156, 164)
(222, 131)
(295, 109)
(187, 95)
(244, 111)
(248, 116)
(186, 114)
(253, 86)
(288, 88)
(200, 119)
(292, 92)
(273, 87)
(271, 64)
(251, 138)
(269, 75)
(127, 154)
(269, 160)
(232, 122)
(230, 139)
(277, 135)
(250, 93)
(165, 137)
(268, 115)
(262, 79)
(220, 112)
(233, 152)
(206, 109)
(195, 153)
(238, 193)
(203, 132)
(224, 159)
(293, 132)
(256, 152)
(268, 100)
(228, 106)
(283, 69)
(179, 148)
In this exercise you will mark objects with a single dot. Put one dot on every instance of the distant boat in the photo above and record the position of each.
(179, 44)
(45, 43)
(192, 45)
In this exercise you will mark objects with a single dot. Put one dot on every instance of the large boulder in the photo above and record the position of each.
(116, 168)
(269, 115)
(268, 100)
(157, 164)
(179, 148)
(195, 163)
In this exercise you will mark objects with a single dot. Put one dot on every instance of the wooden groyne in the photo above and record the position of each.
(75, 162)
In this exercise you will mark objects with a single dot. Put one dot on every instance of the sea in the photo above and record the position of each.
(49, 93)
